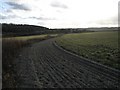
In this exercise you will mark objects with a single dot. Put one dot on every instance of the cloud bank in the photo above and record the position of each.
(15, 5)
(58, 5)
(60, 13)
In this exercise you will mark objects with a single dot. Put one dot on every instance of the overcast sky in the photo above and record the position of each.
(60, 13)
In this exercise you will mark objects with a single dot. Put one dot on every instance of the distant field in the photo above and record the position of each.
(26, 37)
(98, 46)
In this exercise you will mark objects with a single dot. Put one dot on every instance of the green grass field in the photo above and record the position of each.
(98, 46)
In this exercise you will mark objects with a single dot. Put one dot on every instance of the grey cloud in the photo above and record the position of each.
(9, 11)
(2, 17)
(111, 21)
(18, 6)
(41, 23)
(119, 12)
(59, 5)
(7, 17)
(42, 18)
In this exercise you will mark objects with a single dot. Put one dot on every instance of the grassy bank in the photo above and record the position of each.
(98, 46)
(10, 50)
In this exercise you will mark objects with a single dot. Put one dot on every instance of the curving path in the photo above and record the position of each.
(44, 65)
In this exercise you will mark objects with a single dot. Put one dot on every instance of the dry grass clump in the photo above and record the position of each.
(10, 50)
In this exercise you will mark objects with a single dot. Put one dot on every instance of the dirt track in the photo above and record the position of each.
(43, 65)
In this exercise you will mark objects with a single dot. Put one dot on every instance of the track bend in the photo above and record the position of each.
(43, 65)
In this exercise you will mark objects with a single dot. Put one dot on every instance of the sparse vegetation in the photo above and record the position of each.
(98, 46)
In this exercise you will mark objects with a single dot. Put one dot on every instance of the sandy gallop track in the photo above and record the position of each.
(43, 65)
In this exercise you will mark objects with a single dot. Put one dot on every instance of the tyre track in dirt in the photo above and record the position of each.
(43, 65)
(88, 72)
(92, 73)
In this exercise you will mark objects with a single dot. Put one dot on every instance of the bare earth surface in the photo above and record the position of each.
(43, 65)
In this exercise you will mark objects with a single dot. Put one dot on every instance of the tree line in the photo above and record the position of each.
(23, 29)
